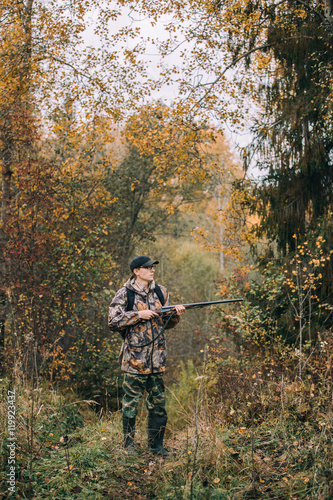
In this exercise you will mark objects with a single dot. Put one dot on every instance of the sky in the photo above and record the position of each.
(167, 93)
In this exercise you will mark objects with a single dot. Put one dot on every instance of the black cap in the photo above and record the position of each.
(142, 261)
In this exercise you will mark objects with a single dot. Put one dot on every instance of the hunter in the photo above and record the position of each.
(142, 357)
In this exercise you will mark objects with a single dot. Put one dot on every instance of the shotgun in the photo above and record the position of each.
(195, 305)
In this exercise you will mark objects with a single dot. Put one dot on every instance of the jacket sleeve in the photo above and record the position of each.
(175, 318)
(119, 318)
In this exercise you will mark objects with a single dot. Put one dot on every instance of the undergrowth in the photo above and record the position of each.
(277, 443)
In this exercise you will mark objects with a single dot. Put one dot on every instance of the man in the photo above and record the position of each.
(143, 352)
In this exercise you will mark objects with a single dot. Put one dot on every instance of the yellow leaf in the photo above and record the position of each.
(216, 480)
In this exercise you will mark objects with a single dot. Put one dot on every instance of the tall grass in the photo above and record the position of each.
(259, 437)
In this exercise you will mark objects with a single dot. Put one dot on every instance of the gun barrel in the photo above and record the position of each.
(200, 304)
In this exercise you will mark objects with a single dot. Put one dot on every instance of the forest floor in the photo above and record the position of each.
(66, 450)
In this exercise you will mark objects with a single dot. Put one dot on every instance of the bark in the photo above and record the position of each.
(328, 9)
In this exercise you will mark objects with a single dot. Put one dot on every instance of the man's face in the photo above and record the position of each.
(145, 273)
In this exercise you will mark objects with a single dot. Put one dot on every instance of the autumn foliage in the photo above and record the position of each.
(98, 165)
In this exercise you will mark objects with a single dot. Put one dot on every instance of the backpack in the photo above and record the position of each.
(130, 297)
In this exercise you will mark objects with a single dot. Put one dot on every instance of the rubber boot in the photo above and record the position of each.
(156, 429)
(129, 431)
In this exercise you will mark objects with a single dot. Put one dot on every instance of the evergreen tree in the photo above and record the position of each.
(294, 133)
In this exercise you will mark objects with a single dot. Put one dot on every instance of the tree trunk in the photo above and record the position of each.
(328, 9)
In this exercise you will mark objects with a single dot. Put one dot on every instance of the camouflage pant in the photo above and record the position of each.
(134, 387)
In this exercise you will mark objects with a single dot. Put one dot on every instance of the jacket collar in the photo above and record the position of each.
(132, 286)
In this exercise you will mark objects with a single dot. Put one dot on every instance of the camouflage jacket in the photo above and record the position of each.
(140, 360)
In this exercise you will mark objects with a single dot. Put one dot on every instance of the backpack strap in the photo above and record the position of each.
(129, 307)
(130, 297)
(159, 294)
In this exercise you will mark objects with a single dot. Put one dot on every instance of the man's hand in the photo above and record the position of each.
(147, 314)
(180, 309)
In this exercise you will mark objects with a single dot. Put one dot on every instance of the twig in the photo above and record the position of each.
(201, 378)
